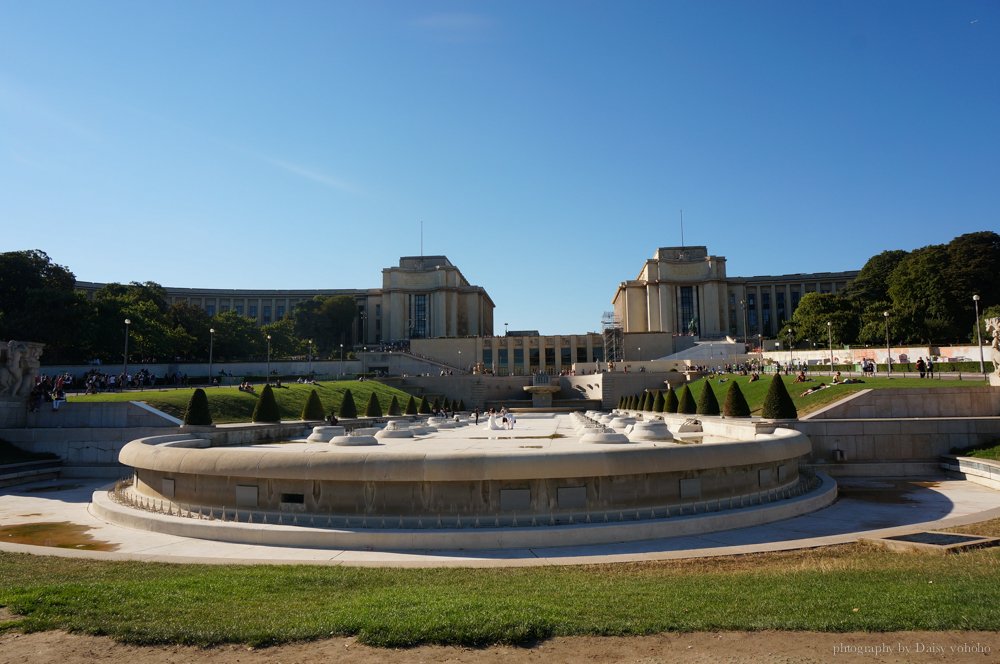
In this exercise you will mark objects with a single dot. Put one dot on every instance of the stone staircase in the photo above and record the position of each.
(13, 474)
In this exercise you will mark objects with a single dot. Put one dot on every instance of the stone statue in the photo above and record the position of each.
(993, 328)
(19, 363)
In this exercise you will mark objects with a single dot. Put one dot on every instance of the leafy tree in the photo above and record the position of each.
(283, 340)
(974, 259)
(347, 407)
(658, 402)
(707, 403)
(195, 324)
(374, 408)
(815, 310)
(267, 407)
(313, 408)
(425, 408)
(394, 406)
(736, 404)
(920, 296)
(872, 282)
(198, 413)
(685, 403)
(237, 337)
(670, 402)
(778, 404)
(328, 320)
(411, 406)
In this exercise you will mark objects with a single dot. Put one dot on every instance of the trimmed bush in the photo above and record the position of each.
(347, 407)
(670, 401)
(707, 403)
(313, 409)
(736, 404)
(647, 401)
(454, 405)
(658, 402)
(394, 406)
(685, 402)
(778, 404)
(374, 408)
(411, 406)
(621, 402)
(461, 405)
(266, 409)
(197, 413)
(425, 408)
(437, 404)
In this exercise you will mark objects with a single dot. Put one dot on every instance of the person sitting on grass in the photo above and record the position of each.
(800, 377)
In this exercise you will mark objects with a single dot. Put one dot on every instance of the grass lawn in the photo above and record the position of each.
(845, 588)
(228, 404)
(992, 453)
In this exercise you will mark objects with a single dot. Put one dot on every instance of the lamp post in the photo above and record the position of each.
(760, 344)
(505, 329)
(211, 348)
(341, 360)
(743, 303)
(310, 357)
(460, 360)
(640, 353)
(979, 336)
(829, 342)
(125, 357)
(888, 350)
(790, 351)
(268, 382)
(364, 327)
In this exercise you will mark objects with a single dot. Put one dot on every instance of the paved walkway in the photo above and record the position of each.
(866, 508)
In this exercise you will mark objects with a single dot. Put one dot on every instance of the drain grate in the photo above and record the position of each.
(934, 541)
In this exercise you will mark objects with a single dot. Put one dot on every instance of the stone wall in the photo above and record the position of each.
(916, 402)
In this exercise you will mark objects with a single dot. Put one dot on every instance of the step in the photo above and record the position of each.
(14, 474)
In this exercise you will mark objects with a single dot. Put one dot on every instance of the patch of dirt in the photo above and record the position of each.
(714, 647)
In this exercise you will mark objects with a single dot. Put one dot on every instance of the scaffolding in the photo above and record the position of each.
(614, 337)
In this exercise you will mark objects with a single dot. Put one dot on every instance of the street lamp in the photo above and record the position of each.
(310, 357)
(125, 359)
(269, 359)
(640, 353)
(888, 350)
(790, 351)
(211, 348)
(505, 329)
(743, 303)
(760, 344)
(829, 342)
(979, 336)
(341, 360)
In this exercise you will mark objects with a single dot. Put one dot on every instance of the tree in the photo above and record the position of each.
(394, 406)
(237, 337)
(815, 310)
(283, 340)
(707, 403)
(347, 407)
(461, 405)
(411, 406)
(921, 301)
(621, 402)
(736, 404)
(198, 413)
(658, 402)
(327, 320)
(437, 404)
(374, 408)
(685, 403)
(267, 408)
(778, 404)
(670, 402)
(425, 408)
(313, 408)
(872, 282)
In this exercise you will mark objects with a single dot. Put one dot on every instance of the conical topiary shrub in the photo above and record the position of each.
(374, 408)
(267, 408)
(778, 404)
(461, 405)
(621, 402)
(411, 406)
(454, 405)
(394, 406)
(647, 401)
(425, 408)
(437, 404)
(348, 408)
(707, 403)
(685, 402)
(670, 401)
(736, 404)
(658, 402)
(197, 413)
(313, 408)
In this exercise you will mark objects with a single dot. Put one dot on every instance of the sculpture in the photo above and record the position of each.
(19, 363)
(993, 327)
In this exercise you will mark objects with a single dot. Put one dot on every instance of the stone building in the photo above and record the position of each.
(422, 297)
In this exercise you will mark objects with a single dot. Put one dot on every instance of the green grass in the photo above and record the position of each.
(228, 404)
(757, 390)
(847, 588)
(991, 452)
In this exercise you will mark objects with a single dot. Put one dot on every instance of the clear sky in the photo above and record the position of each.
(547, 147)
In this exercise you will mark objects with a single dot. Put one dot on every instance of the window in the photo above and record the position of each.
(281, 311)
(566, 356)
(765, 312)
(796, 296)
(239, 309)
(686, 308)
(487, 357)
(780, 302)
(418, 329)
(252, 311)
(502, 357)
(210, 309)
(267, 313)
(752, 310)
(581, 353)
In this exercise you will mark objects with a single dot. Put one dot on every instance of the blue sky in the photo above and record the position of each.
(547, 147)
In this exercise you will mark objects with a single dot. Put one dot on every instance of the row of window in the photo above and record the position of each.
(535, 356)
